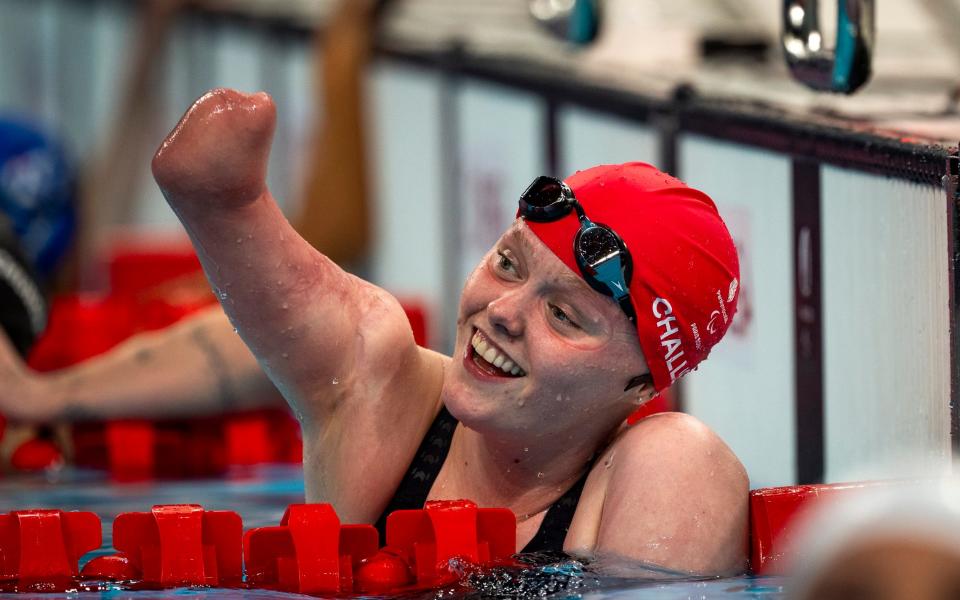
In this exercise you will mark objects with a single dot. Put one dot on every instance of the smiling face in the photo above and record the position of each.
(539, 352)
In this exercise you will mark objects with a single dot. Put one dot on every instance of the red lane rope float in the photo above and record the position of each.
(39, 549)
(774, 514)
(308, 552)
(447, 529)
(175, 545)
(36, 454)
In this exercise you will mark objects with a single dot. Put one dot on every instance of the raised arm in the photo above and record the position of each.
(310, 324)
(197, 366)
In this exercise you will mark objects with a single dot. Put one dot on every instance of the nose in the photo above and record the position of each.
(507, 313)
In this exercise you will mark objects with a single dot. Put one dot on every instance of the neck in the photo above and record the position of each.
(525, 475)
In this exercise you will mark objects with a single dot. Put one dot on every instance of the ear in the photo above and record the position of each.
(640, 381)
(644, 393)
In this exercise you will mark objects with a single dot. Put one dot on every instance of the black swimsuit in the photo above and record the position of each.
(416, 483)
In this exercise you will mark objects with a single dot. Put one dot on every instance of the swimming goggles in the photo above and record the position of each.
(601, 255)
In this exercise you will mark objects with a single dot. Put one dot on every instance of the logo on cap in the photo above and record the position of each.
(670, 339)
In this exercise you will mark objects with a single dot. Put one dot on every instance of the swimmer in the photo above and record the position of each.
(893, 542)
(549, 359)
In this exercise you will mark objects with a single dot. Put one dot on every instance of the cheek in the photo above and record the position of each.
(475, 291)
(575, 369)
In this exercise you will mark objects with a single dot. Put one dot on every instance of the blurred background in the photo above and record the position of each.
(842, 358)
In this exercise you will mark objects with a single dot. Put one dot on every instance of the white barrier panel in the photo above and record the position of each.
(589, 138)
(408, 209)
(501, 137)
(745, 390)
(29, 45)
(289, 75)
(113, 24)
(71, 92)
(886, 326)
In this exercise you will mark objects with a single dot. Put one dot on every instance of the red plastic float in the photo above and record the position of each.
(446, 529)
(113, 567)
(773, 516)
(36, 454)
(174, 545)
(39, 549)
(310, 552)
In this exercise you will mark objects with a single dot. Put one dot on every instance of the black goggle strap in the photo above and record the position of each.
(627, 307)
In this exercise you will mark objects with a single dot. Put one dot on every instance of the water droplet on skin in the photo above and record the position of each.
(526, 449)
(239, 240)
(521, 402)
(285, 355)
(286, 306)
(539, 474)
(335, 381)
(222, 294)
(249, 236)
(235, 330)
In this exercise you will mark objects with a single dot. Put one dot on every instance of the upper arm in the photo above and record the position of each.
(367, 346)
(379, 385)
(675, 495)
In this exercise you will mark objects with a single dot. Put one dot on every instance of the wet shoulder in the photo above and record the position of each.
(667, 490)
(672, 442)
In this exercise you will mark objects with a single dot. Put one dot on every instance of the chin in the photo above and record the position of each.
(466, 405)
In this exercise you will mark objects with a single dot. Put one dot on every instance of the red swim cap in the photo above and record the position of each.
(686, 274)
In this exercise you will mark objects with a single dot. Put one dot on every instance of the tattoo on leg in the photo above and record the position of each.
(72, 410)
(218, 365)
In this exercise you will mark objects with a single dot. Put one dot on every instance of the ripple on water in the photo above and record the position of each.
(558, 575)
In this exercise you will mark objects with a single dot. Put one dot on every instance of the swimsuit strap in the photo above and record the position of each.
(556, 523)
(416, 483)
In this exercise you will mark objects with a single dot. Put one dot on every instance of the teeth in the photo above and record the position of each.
(493, 356)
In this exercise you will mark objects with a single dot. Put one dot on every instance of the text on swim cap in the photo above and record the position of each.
(670, 339)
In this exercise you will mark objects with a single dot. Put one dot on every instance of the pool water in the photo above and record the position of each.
(260, 495)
